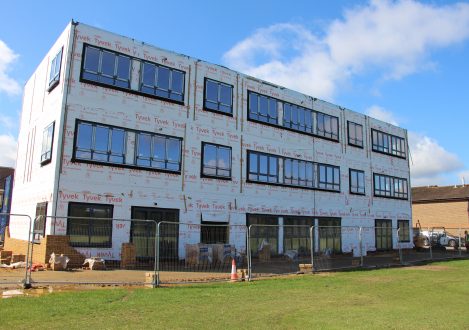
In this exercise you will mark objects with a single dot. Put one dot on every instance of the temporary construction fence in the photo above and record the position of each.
(155, 252)
(13, 268)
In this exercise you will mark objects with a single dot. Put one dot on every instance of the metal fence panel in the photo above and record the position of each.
(157, 252)
(13, 267)
(127, 247)
(200, 252)
(337, 247)
(277, 249)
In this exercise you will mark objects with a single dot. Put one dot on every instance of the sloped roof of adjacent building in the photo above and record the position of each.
(438, 194)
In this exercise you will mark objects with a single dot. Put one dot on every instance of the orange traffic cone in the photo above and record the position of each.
(234, 273)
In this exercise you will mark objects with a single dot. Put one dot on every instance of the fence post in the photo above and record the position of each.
(361, 245)
(399, 247)
(248, 244)
(311, 238)
(156, 276)
(27, 279)
(430, 236)
(459, 245)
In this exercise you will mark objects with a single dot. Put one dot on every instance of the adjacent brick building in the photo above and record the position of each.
(435, 206)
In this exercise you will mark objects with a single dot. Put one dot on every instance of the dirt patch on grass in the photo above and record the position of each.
(435, 268)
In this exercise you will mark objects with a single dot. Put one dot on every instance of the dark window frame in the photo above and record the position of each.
(390, 193)
(268, 115)
(126, 165)
(209, 229)
(405, 233)
(357, 191)
(315, 113)
(278, 183)
(354, 142)
(328, 182)
(54, 75)
(271, 227)
(99, 73)
(219, 83)
(39, 229)
(108, 153)
(258, 173)
(332, 228)
(129, 89)
(46, 149)
(90, 220)
(155, 87)
(382, 230)
(293, 121)
(202, 165)
(169, 234)
(382, 142)
(152, 159)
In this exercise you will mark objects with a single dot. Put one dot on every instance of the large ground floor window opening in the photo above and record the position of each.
(296, 234)
(383, 234)
(263, 233)
(143, 234)
(90, 225)
(330, 235)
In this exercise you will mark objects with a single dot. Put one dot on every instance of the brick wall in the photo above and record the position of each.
(449, 215)
(42, 250)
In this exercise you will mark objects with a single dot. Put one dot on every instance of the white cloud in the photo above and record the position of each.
(394, 37)
(430, 162)
(380, 113)
(8, 147)
(7, 57)
(7, 122)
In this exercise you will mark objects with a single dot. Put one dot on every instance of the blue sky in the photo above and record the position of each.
(401, 61)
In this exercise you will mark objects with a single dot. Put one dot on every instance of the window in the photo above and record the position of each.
(158, 151)
(216, 161)
(383, 234)
(404, 233)
(162, 81)
(265, 109)
(296, 233)
(106, 67)
(330, 234)
(297, 118)
(355, 134)
(100, 143)
(54, 76)
(108, 144)
(40, 221)
(391, 187)
(263, 167)
(262, 108)
(90, 225)
(298, 173)
(143, 233)
(218, 96)
(329, 177)
(388, 144)
(214, 232)
(264, 230)
(357, 182)
(47, 142)
(327, 126)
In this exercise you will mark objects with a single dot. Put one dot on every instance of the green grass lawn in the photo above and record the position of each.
(435, 296)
